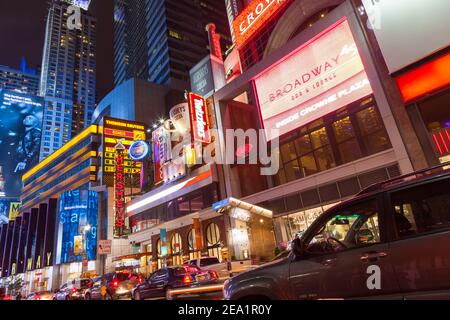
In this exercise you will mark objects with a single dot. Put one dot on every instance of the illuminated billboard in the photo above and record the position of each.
(9, 210)
(83, 4)
(199, 118)
(78, 209)
(321, 76)
(130, 132)
(20, 138)
(253, 17)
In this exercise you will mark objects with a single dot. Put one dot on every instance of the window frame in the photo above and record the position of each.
(325, 218)
(393, 234)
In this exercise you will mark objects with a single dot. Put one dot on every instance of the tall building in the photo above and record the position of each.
(68, 77)
(161, 40)
(23, 80)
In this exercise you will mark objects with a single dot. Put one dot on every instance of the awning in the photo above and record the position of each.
(202, 178)
(223, 205)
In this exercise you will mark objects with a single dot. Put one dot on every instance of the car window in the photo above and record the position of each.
(122, 276)
(347, 228)
(64, 286)
(422, 209)
(193, 262)
(208, 261)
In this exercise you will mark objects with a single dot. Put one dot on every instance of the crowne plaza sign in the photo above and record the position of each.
(253, 17)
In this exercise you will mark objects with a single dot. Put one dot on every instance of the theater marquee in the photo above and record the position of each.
(320, 77)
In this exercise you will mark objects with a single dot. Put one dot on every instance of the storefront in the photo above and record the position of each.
(425, 88)
(318, 99)
(250, 232)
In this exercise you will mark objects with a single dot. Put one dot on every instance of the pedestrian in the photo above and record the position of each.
(103, 289)
(229, 267)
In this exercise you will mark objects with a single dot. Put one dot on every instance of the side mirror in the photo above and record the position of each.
(297, 248)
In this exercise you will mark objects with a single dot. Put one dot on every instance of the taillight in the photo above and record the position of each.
(140, 280)
(187, 279)
(74, 290)
(115, 283)
(214, 275)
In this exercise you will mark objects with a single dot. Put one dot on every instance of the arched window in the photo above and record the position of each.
(191, 242)
(176, 246)
(159, 253)
(213, 241)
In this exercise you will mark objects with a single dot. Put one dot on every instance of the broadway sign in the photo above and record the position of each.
(321, 76)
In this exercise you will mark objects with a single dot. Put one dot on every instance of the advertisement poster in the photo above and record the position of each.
(20, 139)
(9, 210)
(130, 132)
(77, 209)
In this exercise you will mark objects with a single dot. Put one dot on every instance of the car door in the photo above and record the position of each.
(421, 258)
(346, 255)
(158, 283)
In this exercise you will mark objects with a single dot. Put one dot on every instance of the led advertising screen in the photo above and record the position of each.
(77, 210)
(130, 132)
(83, 4)
(9, 210)
(253, 18)
(20, 139)
(321, 76)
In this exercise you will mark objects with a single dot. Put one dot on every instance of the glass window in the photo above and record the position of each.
(422, 209)
(351, 227)
(346, 140)
(374, 136)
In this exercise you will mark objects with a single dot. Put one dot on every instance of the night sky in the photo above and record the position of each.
(22, 33)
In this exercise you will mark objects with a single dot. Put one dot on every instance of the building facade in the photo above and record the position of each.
(160, 41)
(335, 127)
(68, 80)
(24, 80)
(57, 202)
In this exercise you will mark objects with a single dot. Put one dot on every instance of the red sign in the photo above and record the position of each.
(199, 118)
(253, 17)
(119, 195)
(427, 78)
(321, 76)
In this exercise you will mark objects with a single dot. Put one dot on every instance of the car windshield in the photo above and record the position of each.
(209, 261)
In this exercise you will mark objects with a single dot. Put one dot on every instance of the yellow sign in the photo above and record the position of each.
(14, 210)
(77, 245)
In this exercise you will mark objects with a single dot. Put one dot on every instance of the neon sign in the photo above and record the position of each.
(119, 192)
(199, 118)
(253, 18)
(319, 77)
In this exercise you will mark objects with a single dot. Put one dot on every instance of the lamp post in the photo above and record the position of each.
(84, 264)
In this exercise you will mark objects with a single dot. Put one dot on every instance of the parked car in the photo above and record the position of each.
(73, 290)
(162, 280)
(118, 285)
(41, 295)
(223, 269)
(389, 241)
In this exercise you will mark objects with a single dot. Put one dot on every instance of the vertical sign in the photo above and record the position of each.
(119, 192)
(198, 234)
(199, 119)
(163, 236)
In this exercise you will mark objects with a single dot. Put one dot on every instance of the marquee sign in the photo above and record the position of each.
(253, 17)
(319, 77)
(199, 118)
(119, 195)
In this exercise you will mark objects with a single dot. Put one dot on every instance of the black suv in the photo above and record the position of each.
(390, 241)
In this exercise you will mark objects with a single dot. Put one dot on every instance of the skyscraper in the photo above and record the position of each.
(68, 76)
(24, 80)
(161, 40)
